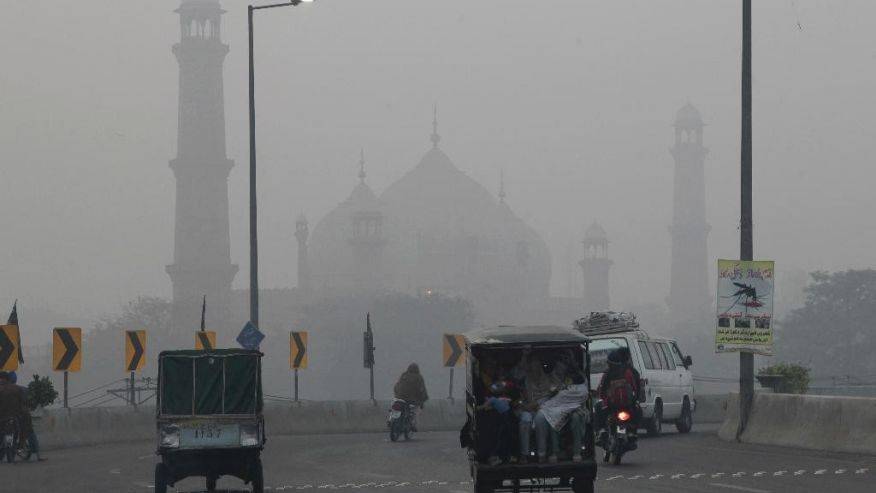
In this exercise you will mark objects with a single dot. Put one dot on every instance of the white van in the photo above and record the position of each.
(667, 381)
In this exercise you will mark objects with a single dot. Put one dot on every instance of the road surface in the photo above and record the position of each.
(434, 463)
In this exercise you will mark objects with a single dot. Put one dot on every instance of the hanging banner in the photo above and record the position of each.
(745, 306)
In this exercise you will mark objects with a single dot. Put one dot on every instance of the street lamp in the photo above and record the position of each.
(253, 216)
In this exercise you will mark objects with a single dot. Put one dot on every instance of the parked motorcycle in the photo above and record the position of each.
(619, 438)
(400, 421)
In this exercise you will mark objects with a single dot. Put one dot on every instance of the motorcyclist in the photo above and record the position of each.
(25, 421)
(411, 388)
(11, 402)
(619, 390)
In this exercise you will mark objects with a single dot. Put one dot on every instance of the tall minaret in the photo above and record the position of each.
(301, 234)
(595, 267)
(689, 298)
(202, 252)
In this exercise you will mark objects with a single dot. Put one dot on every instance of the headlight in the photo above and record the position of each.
(249, 435)
(169, 436)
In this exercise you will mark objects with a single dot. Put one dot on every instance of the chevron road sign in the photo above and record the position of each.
(8, 347)
(205, 340)
(67, 349)
(297, 350)
(453, 350)
(135, 350)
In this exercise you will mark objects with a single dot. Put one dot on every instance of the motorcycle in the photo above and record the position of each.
(9, 442)
(620, 438)
(400, 421)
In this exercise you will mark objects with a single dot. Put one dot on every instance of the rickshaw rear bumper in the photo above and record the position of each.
(585, 470)
(237, 462)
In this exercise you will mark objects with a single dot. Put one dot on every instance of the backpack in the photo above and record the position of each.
(620, 393)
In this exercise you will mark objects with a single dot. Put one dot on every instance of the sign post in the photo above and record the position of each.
(205, 340)
(66, 353)
(135, 349)
(297, 357)
(453, 356)
(369, 352)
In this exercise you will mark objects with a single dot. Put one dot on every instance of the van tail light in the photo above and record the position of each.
(623, 416)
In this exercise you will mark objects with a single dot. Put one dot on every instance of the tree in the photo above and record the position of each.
(40, 393)
(833, 332)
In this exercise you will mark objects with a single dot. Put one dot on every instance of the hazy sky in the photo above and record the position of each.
(573, 99)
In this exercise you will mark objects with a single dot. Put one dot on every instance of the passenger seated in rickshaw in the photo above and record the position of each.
(497, 410)
(555, 398)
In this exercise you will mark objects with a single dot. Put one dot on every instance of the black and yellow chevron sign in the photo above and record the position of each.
(454, 345)
(205, 340)
(135, 350)
(8, 347)
(297, 350)
(67, 349)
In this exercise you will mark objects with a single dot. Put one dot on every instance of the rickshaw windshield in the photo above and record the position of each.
(220, 382)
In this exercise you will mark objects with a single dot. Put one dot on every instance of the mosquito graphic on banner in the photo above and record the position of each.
(745, 306)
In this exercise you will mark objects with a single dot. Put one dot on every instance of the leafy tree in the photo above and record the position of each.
(833, 332)
(794, 378)
(40, 393)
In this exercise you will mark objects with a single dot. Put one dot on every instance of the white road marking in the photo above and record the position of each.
(738, 474)
(759, 474)
(637, 476)
(677, 476)
(840, 471)
(656, 476)
(115, 471)
(145, 456)
(739, 488)
(800, 472)
(697, 475)
(717, 474)
(780, 473)
(614, 477)
(820, 472)
(861, 471)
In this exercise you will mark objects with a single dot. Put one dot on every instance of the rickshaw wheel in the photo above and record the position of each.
(160, 478)
(581, 485)
(211, 482)
(483, 486)
(258, 479)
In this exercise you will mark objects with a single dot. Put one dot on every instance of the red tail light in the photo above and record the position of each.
(397, 406)
(623, 416)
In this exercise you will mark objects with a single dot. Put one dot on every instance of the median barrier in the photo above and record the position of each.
(830, 423)
(63, 428)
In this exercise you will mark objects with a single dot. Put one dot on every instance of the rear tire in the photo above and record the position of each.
(394, 431)
(615, 459)
(483, 487)
(655, 424)
(685, 422)
(10, 455)
(160, 478)
(258, 478)
(211, 483)
(581, 485)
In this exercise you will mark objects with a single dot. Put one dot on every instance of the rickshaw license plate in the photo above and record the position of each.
(205, 434)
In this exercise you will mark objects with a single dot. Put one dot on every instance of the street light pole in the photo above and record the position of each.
(253, 206)
(746, 236)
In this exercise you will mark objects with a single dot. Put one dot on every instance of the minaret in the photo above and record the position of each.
(202, 252)
(301, 234)
(595, 267)
(689, 298)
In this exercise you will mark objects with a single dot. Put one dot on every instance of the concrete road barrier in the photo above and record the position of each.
(62, 428)
(830, 423)
(710, 408)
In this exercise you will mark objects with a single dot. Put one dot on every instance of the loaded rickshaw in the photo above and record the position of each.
(505, 351)
(209, 417)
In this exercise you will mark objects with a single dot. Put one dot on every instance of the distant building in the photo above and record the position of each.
(435, 230)
(202, 253)
(689, 298)
(596, 267)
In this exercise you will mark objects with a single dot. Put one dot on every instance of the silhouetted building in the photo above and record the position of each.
(689, 298)
(301, 234)
(596, 267)
(201, 257)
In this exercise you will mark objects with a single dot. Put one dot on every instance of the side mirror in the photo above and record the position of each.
(687, 361)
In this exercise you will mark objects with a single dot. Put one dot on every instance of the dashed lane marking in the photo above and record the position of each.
(820, 472)
(861, 471)
(738, 488)
(800, 472)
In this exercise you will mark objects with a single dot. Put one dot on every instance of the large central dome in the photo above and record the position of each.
(438, 231)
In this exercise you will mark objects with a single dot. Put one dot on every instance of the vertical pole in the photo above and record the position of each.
(450, 390)
(746, 240)
(253, 216)
(371, 371)
(65, 390)
(296, 384)
(131, 395)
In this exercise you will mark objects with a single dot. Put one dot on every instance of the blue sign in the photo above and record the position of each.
(250, 337)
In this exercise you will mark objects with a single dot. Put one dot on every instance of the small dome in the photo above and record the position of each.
(595, 232)
(688, 117)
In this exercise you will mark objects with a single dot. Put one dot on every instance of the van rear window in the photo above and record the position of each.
(599, 351)
(646, 355)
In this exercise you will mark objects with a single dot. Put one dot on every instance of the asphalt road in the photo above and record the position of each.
(434, 463)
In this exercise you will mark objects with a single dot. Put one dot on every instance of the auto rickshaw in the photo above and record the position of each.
(209, 417)
(500, 350)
